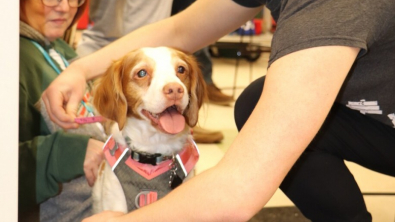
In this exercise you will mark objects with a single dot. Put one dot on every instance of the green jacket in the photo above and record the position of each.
(45, 159)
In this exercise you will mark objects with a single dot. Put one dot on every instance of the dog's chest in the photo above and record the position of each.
(140, 191)
(143, 184)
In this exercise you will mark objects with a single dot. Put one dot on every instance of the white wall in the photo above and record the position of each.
(9, 74)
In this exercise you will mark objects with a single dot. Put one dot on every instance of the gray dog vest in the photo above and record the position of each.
(144, 183)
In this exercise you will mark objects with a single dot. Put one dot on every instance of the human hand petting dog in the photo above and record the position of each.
(63, 96)
(93, 157)
(105, 216)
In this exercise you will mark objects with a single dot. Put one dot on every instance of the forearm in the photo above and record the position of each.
(189, 31)
(97, 63)
(209, 197)
(244, 180)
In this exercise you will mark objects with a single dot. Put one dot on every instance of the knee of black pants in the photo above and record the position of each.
(246, 102)
(324, 190)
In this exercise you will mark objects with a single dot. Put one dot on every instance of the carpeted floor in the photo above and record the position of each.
(279, 214)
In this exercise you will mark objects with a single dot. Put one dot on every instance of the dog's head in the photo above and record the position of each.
(161, 85)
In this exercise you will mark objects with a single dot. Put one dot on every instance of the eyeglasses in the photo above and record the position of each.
(72, 3)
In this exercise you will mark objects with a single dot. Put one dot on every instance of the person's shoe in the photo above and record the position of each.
(201, 135)
(215, 96)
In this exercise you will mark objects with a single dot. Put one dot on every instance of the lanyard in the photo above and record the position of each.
(48, 58)
(81, 120)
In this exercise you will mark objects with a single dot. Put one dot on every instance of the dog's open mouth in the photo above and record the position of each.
(170, 120)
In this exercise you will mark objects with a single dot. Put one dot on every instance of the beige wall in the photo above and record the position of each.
(9, 57)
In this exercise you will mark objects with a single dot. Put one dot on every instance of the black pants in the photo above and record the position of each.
(319, 183)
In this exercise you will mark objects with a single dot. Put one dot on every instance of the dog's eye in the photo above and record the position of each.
(181, 69)
(142, 73)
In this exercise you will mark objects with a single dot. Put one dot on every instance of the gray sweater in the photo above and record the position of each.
(113, 19)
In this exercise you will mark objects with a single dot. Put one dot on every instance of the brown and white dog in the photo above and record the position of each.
(154, 94)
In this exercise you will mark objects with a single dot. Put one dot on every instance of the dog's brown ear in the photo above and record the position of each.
(198, 93)
(108, 97)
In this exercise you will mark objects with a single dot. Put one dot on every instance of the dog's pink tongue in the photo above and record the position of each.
(172, 121)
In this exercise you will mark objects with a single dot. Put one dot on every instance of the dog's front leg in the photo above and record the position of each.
(107, 192)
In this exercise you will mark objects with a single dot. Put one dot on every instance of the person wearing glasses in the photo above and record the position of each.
(52, 163)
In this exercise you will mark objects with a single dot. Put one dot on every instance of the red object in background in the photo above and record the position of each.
(83, 22)
(258, 26)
